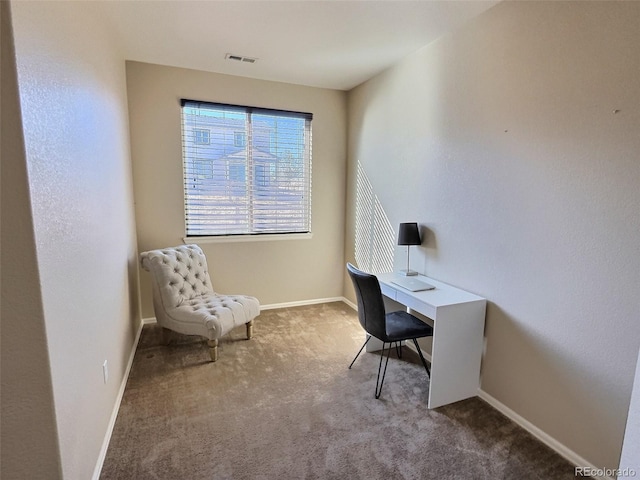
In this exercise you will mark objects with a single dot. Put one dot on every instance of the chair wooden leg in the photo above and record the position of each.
(213, 349)
(250, 330)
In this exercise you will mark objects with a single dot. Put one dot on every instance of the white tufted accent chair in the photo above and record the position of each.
(184, 300)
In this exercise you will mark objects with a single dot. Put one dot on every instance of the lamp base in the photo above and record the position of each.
(408, 273)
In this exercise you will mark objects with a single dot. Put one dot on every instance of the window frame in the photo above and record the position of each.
(306, 159)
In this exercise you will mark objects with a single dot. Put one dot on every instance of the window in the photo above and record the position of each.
(201, 136)
(202, 168)
(240, 139)
(253, 174)
(236, 173)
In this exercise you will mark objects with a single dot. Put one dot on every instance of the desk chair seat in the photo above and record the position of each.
(390, 328)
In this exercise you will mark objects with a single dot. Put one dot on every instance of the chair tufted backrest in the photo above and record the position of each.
(180, 273)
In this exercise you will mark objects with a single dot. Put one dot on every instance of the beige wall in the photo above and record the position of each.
(28, 436)
(502, 140)
(274, 271)
(73, 98)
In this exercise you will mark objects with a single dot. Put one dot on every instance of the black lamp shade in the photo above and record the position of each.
(409, 234)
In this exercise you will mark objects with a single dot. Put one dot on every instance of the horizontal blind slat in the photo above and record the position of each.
(246, 170)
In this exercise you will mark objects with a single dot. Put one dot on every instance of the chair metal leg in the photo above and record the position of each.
(379, 388)
(415, 342)
(360, 351)
(398, 350)
(213, 349)
(250, 330)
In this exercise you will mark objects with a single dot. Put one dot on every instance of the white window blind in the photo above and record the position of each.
(252, 176)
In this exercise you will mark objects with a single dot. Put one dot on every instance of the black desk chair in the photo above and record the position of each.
(390, 328)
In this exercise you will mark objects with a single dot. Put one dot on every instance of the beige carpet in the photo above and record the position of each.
(284, 405)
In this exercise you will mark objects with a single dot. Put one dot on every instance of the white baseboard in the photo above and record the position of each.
(411, 346)
(273, 306)
(301, 303)
(116, 408)
(350, 303)
(544, 437)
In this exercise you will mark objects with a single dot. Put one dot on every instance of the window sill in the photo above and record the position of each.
(248, 238)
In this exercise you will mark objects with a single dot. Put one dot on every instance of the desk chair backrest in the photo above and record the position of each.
(371, 311)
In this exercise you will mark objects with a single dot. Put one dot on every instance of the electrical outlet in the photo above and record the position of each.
(105, 371)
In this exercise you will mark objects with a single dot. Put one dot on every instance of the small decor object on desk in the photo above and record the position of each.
(408, 235)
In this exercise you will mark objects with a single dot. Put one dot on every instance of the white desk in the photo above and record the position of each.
(458, 336)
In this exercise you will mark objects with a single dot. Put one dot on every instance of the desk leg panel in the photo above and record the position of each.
(457, 352)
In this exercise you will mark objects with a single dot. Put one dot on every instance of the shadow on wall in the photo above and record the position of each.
(375, 238)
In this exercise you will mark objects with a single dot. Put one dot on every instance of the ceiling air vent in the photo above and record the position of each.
(240, 58)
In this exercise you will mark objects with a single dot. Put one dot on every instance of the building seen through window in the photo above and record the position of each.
(246, 170)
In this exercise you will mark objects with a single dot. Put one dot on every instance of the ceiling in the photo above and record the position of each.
(332, 44)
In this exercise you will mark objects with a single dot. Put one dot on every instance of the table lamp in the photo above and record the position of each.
(408, 235)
